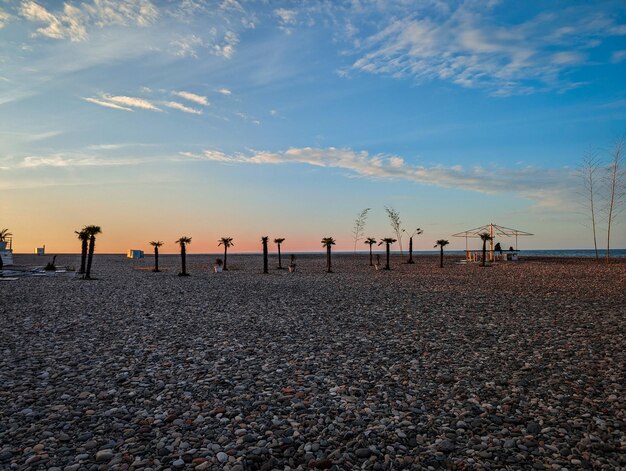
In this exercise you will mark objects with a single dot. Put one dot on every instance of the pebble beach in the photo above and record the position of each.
(520, 365)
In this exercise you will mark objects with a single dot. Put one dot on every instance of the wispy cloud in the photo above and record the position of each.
(4, 18)
(179, 106)
(463, 44)
(540, 184)
(72, 22)
(618, 56)
(121, 102)
(59, 160)
(106, 104)
(226, 48)
(199, 99)
(225, 91)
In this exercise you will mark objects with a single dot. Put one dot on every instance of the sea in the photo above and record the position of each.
(586, 253)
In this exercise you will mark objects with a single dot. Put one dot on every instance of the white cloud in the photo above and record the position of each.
(225, 91)
(186, 46)
(72, 21)
(121, 102)
(199, 99)
(465, 45)
(69, 24)
(131, 101)
(226, 48)
(286, 16)
(181, 107)
(106, 104)
(4, 18)
(122, 12)
(58, 160)
(541, 184)
(618, 56)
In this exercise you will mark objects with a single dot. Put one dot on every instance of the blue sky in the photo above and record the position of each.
(245, 118)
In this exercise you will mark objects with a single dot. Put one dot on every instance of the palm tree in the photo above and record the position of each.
(441, 243)
(417, 231)
(84, 240)
(370, 241)
(156, 244)
(387, 241)
(279, 241)
(264, 240)
(183, 241)
(226, 242)
(328, 242)
(92, 232)
(4, 234)
(485, 237)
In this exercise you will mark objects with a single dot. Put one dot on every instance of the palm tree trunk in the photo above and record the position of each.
(482, 262)
(328, 262)
(156, 259)
(410, 251)
(225, 255)
(371, 263)
(441, 258)
(265, 264)
(280, 263)
(92, 248)
(83, 256)
(1, 262)
(183, 260)
(387, 265)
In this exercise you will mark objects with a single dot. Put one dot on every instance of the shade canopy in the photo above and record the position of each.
(494, 231)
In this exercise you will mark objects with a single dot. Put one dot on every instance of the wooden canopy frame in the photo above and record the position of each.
(493, 230)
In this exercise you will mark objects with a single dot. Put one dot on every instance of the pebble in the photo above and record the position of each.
(515, 367)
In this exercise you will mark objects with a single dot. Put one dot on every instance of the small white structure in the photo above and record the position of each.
(132, 253)
(40, 250)
(6, 251)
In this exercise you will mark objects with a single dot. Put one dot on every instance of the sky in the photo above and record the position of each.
(242, 118)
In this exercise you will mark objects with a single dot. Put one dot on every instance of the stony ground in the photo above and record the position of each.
(516, 366)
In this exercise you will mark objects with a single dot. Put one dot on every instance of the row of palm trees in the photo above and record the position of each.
(327, 242)
(87, 236)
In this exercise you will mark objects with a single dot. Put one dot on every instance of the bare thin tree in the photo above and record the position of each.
(358, 231)
(616, 193)
(396, 224)
(588, 172)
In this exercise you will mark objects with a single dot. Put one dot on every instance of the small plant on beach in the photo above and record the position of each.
(226, 242)
(370, 241)
(264, 241)
(359, 227)
(278, 241)
(92, 231)
(485, 237)
(328, 242)
(84, 242)
(441, 243)
(183, 241)
(156, 244)
(50, 266)
(396, 224)
(417, 231)
(387, 241)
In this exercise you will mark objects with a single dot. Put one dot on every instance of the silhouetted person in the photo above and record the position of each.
(511, 249)
(498, 248)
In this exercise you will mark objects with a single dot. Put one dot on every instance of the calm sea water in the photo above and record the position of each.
(621, 253)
